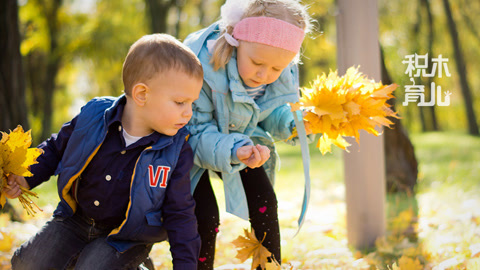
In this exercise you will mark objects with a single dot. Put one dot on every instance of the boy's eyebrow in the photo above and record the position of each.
(179, 96)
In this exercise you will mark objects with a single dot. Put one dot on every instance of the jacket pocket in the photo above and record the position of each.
(152, 231)
(238, 122)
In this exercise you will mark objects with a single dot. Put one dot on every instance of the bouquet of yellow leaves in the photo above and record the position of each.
(16, 158)
(341, 106)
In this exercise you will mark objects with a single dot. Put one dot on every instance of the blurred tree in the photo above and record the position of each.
(416, 27)
(425, 5)
(469, 23)
(461, 70)
(102, 43)
(157, 11)
(13, 109)
(43, 57)
(50, 10)
(318, 54)
(400, 162)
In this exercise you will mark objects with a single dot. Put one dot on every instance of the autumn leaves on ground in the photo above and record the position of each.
(439, 228)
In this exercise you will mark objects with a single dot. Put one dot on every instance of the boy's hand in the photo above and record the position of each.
(253, 156)
(12, 190)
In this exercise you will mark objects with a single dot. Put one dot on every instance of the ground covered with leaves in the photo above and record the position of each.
(438, 228)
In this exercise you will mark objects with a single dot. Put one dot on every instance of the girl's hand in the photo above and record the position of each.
(12, 190)
(308, 130)
(253, 156)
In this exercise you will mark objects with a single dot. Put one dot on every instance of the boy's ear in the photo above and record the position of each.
(139, 93)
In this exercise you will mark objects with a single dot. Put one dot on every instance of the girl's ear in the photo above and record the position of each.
(139, 93)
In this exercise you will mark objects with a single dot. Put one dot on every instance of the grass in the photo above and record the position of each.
(444, 214)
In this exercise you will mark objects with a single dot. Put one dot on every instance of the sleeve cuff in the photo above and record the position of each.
(234, 159)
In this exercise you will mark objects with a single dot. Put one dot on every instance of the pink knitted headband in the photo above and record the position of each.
(269, 31)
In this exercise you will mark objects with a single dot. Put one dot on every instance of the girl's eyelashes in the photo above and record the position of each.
(256, 63)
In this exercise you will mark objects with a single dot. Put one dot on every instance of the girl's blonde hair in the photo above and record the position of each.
(290, 11)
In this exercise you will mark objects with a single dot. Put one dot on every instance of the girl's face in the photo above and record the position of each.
(260, 64)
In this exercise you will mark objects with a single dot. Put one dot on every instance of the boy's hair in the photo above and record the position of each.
(156, 53)
(290, 11)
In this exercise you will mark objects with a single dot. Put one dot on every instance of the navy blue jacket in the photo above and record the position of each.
(161, 170)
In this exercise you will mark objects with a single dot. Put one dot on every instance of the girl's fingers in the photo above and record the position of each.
(244, 152)
(257, 158)
(264, 152)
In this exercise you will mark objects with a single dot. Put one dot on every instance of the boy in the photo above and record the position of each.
(123, 170)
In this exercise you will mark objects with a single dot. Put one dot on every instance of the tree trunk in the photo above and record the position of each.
(416, 34)
(433, 116)
(53, 65)
(460, 64)
(13, 109)
(157, 10)
(400, 161)
(179, 6)
(468, 22)
(202, 14)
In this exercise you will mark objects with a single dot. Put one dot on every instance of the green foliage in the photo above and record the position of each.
(447, 159)
(95, 40)
(398, 22)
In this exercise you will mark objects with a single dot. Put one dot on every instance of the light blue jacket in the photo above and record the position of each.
(225, 117)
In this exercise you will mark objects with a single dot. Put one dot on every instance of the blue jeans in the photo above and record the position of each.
(64, 243)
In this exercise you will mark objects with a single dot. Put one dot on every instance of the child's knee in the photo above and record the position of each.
(26, 258)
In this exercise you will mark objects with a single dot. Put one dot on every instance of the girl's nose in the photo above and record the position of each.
(262, 73)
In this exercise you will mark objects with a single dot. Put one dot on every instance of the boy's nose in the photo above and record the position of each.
(188, 112)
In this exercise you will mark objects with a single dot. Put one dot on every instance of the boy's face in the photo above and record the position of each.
(169, 101)
(260, 64)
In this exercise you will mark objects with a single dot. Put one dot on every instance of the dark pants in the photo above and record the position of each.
(65, 241)
(262, 207)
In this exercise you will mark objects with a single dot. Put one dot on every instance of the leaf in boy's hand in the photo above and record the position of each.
(16, 155)
(248, 245)
(16, 158)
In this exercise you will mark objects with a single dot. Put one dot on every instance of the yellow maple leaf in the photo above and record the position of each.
(6, 242)
(341, 106)
(16, 155)
(249, 246)
(16, 158)
(273, 266)
(407, 263)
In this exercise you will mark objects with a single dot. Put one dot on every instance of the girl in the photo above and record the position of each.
(249, 76)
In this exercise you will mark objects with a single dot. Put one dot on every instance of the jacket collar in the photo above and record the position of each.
(114, 113)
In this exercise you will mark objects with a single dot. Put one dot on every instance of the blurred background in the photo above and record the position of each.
(73, 50)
